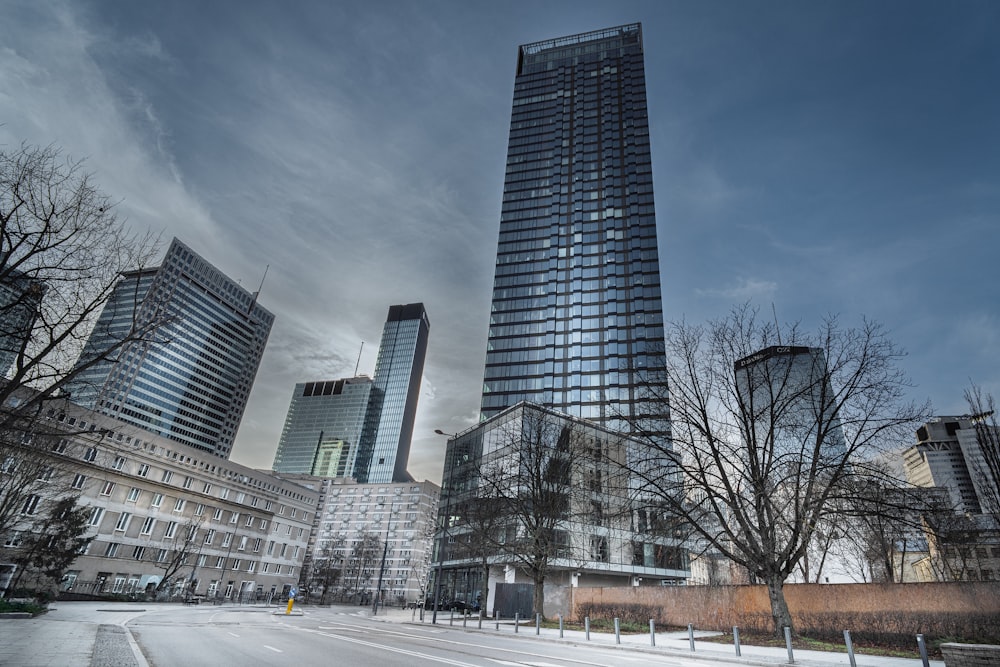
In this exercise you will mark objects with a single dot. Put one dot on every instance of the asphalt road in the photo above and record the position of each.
(245, 637)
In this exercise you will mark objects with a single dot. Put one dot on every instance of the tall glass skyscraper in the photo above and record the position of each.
(385, 444)
(577, 317)
(324, 425)
(190, 384)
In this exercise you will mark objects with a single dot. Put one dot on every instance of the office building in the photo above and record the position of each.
(323, 427)
(190, 381)
(577, 319)
(168, 520)
(946, 455)
(20, 300)
(385, 443)
(786, 394)
(599, 536)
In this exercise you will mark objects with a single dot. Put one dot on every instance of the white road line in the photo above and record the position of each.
(232, 634)
(383, 647)
(276, 650)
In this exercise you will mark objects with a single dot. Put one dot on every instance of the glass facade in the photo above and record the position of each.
(324, 423)
(189, 382)
(577, 317)
(20, 302)
(385, 444)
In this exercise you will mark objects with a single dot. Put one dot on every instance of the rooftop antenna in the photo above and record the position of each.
(776, 327)
(357, 365)
(253, 301)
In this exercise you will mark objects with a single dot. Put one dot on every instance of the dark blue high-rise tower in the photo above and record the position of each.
(577, 317)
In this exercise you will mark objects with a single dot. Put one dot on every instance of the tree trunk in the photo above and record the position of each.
(538, 598)
(779, 608)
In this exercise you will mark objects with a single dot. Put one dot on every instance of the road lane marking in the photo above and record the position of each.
(276, 650)
(232, 634)
(383, 647)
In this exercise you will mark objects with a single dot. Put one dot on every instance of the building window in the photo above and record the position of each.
(147, 526)
(107, 488)
(263, 524)
(119, 463)
(112, 550)
(243, 543)
(225, 494)
(123, 520)
(227, 539)
(30, 504)
(79, 481)
(217, 514)
(96, 514)
(207, 488)
(133, 495)
(256, 545)
(179, 505)
(170, 530)
(249, 522)
(161, 555)
(138, 552)
(187, 482)
(157, 500)
(234, 517)
(199, 509)
(209, 536)
(220, 561)
(90, 454)
(167, 475)
(143, 470)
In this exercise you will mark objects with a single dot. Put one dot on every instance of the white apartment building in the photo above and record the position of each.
(372, 532)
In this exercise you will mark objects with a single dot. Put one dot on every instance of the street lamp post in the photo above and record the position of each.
(444, 537)
(381, 571)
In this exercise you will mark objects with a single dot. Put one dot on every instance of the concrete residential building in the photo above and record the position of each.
(323, 427)
(385, 443)
(160, 509)
(357, 524)
(576, 316)
(191, 383)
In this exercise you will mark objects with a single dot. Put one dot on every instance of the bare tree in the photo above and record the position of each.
(359, 566)
(984, 465)
(767, 425)
(524, 495)
(175, 552)
(325, 569)
(62, 250)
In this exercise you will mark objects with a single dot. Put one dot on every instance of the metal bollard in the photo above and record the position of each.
(850, 647)
(618, 632)
(736, 639)
(652, 633)
(496, 617)
(451, 617)
(788, 643)
(691, 636)
(538, 624)
(923, 650)
(586, 626)
(465, 618)
(517, 621)
(481, 614)
(560, 626)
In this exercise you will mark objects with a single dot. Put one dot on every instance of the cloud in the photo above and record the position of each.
(746, 289)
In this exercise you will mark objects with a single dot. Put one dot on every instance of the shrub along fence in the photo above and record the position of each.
(891, 613)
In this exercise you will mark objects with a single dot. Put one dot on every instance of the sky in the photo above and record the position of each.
(818, 158)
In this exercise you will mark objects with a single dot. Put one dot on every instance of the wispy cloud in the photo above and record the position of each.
(746, 289)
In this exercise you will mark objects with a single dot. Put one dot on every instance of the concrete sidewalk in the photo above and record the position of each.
(667, 643)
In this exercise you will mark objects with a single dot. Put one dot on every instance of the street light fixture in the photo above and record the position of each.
(444, 537)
